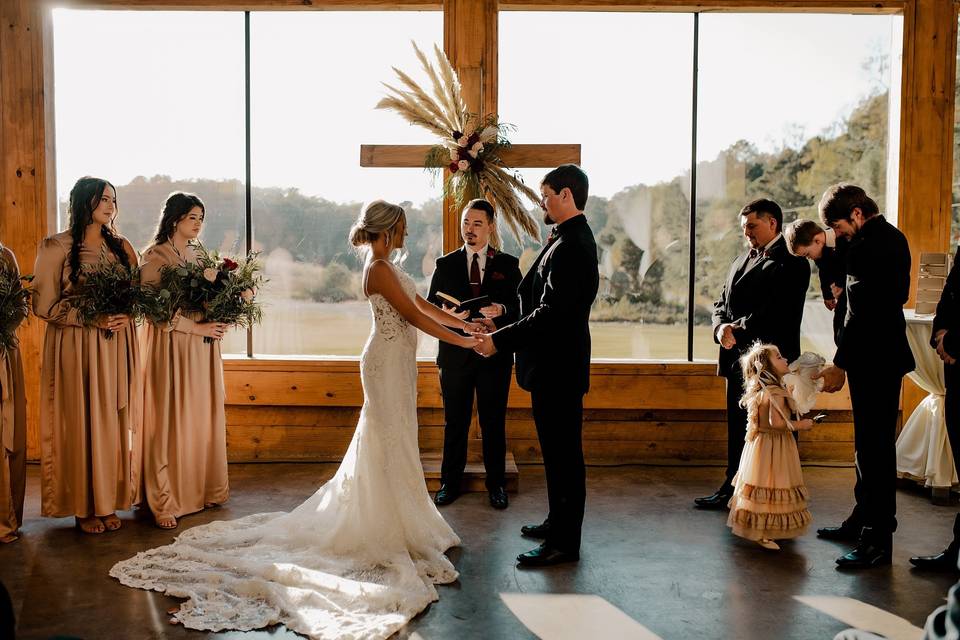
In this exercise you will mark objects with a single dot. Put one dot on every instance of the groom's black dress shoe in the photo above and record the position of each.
(446, 495)
(498, 498)
(540, 531)
(872, 550)
(945, 561)
(843, 533)
(544, 556)
(718, 500)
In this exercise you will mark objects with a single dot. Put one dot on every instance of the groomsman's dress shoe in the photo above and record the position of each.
(843, 533)
(540, 531)
(544, 556)
(872, 550)
(945, 561)
(498, 498)
(718, 500)
(446, 495)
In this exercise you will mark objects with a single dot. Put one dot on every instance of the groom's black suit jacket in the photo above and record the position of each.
(552, 336)
(948, 313)
(499, 281)
(766, 301)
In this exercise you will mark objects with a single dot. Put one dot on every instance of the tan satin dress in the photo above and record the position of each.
(185, 436)
(13, 429)
(91, 397)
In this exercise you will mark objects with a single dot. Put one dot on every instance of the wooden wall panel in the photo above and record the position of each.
(27, 191)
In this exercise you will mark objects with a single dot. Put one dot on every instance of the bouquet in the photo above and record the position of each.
(469, 146)
(14, 305)
(110, 289)
(220, 288)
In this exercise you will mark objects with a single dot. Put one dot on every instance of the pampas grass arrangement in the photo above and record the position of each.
(470, 145)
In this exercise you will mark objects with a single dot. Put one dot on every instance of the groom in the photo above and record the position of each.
(552, 343)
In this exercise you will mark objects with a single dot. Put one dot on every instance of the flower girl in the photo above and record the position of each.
(769, 497)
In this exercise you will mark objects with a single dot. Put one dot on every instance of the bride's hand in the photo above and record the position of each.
(468, 342)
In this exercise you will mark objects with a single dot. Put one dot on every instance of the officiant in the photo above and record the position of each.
(475, 282)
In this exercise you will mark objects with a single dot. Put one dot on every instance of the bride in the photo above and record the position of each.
(361, 557)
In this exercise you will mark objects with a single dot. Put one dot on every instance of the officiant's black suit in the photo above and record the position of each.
(463, 372)
(874, 352)
(552, 343)
(764, 296)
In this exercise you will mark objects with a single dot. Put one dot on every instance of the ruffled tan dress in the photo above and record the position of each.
(769, 498)
(13, 429)
(185, 441)
(91, 396)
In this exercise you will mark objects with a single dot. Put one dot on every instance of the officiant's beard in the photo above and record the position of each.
(547, 220)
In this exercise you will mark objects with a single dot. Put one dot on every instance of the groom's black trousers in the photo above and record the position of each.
(875, 398)
(558, 415)
(490, 379)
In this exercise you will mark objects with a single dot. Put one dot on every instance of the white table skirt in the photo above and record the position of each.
(923, 450)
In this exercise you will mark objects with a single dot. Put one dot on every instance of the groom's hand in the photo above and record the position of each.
(485, 346)
(833, 378)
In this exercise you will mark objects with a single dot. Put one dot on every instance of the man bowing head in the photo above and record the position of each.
(552, 344)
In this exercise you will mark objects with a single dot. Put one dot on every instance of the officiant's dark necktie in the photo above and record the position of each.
(475, 276)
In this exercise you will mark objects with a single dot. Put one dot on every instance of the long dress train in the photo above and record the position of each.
(358, 559)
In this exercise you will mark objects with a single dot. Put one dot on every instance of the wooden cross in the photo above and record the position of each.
(470, 42)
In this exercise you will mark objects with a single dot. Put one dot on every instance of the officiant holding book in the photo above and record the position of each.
(475, 282)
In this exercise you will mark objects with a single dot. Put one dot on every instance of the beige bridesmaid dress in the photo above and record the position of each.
(90, 396)
(185, 441)
(13, 430)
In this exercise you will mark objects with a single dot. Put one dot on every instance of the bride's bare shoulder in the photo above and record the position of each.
(379, 277)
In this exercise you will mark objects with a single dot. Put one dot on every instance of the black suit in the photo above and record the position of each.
(832, 266)
(463, 372)
(874, 352)
(552, 343)
(948, 319)
(764, 297)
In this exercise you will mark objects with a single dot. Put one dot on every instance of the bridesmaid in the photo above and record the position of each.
(13, 429)
(91, 395)
(185, 447)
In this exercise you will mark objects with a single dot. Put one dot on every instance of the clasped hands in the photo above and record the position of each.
(479, 330)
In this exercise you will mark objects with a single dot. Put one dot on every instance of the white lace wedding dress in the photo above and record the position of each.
(358, 559)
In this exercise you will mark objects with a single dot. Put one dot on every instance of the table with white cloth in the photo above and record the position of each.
(923, 449)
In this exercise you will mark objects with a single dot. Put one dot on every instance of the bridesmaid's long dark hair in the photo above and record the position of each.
(84, 198)
(175, 209)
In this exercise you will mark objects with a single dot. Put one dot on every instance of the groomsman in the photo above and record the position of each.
(552, 342)
(761, 300)
(805, 238)
(946, 340)
(873, 356)
(475, 269)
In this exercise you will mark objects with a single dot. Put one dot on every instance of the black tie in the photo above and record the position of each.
(475, 276)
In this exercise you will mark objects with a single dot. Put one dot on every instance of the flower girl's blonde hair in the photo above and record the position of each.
(758, 372)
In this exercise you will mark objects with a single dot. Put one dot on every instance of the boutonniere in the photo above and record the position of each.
(491, 252)
(496, 275)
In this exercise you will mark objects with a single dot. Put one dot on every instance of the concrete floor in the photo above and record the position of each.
(676, 570)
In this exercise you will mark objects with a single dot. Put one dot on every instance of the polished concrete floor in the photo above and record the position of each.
(675, 570)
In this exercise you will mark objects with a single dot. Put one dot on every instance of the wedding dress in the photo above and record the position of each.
(359, 559)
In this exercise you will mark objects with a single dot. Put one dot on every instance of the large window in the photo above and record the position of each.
(789, 104)
(315, 79)
(154, 103)
(786, 104)
(633, 122)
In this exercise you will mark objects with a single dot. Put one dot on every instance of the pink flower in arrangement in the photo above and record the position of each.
(247, 294)
(463, 165)
(210, 274)
(229, 264)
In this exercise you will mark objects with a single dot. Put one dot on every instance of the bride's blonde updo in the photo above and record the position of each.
(376, 218)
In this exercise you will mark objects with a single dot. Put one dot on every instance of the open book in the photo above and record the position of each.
(473, 305)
